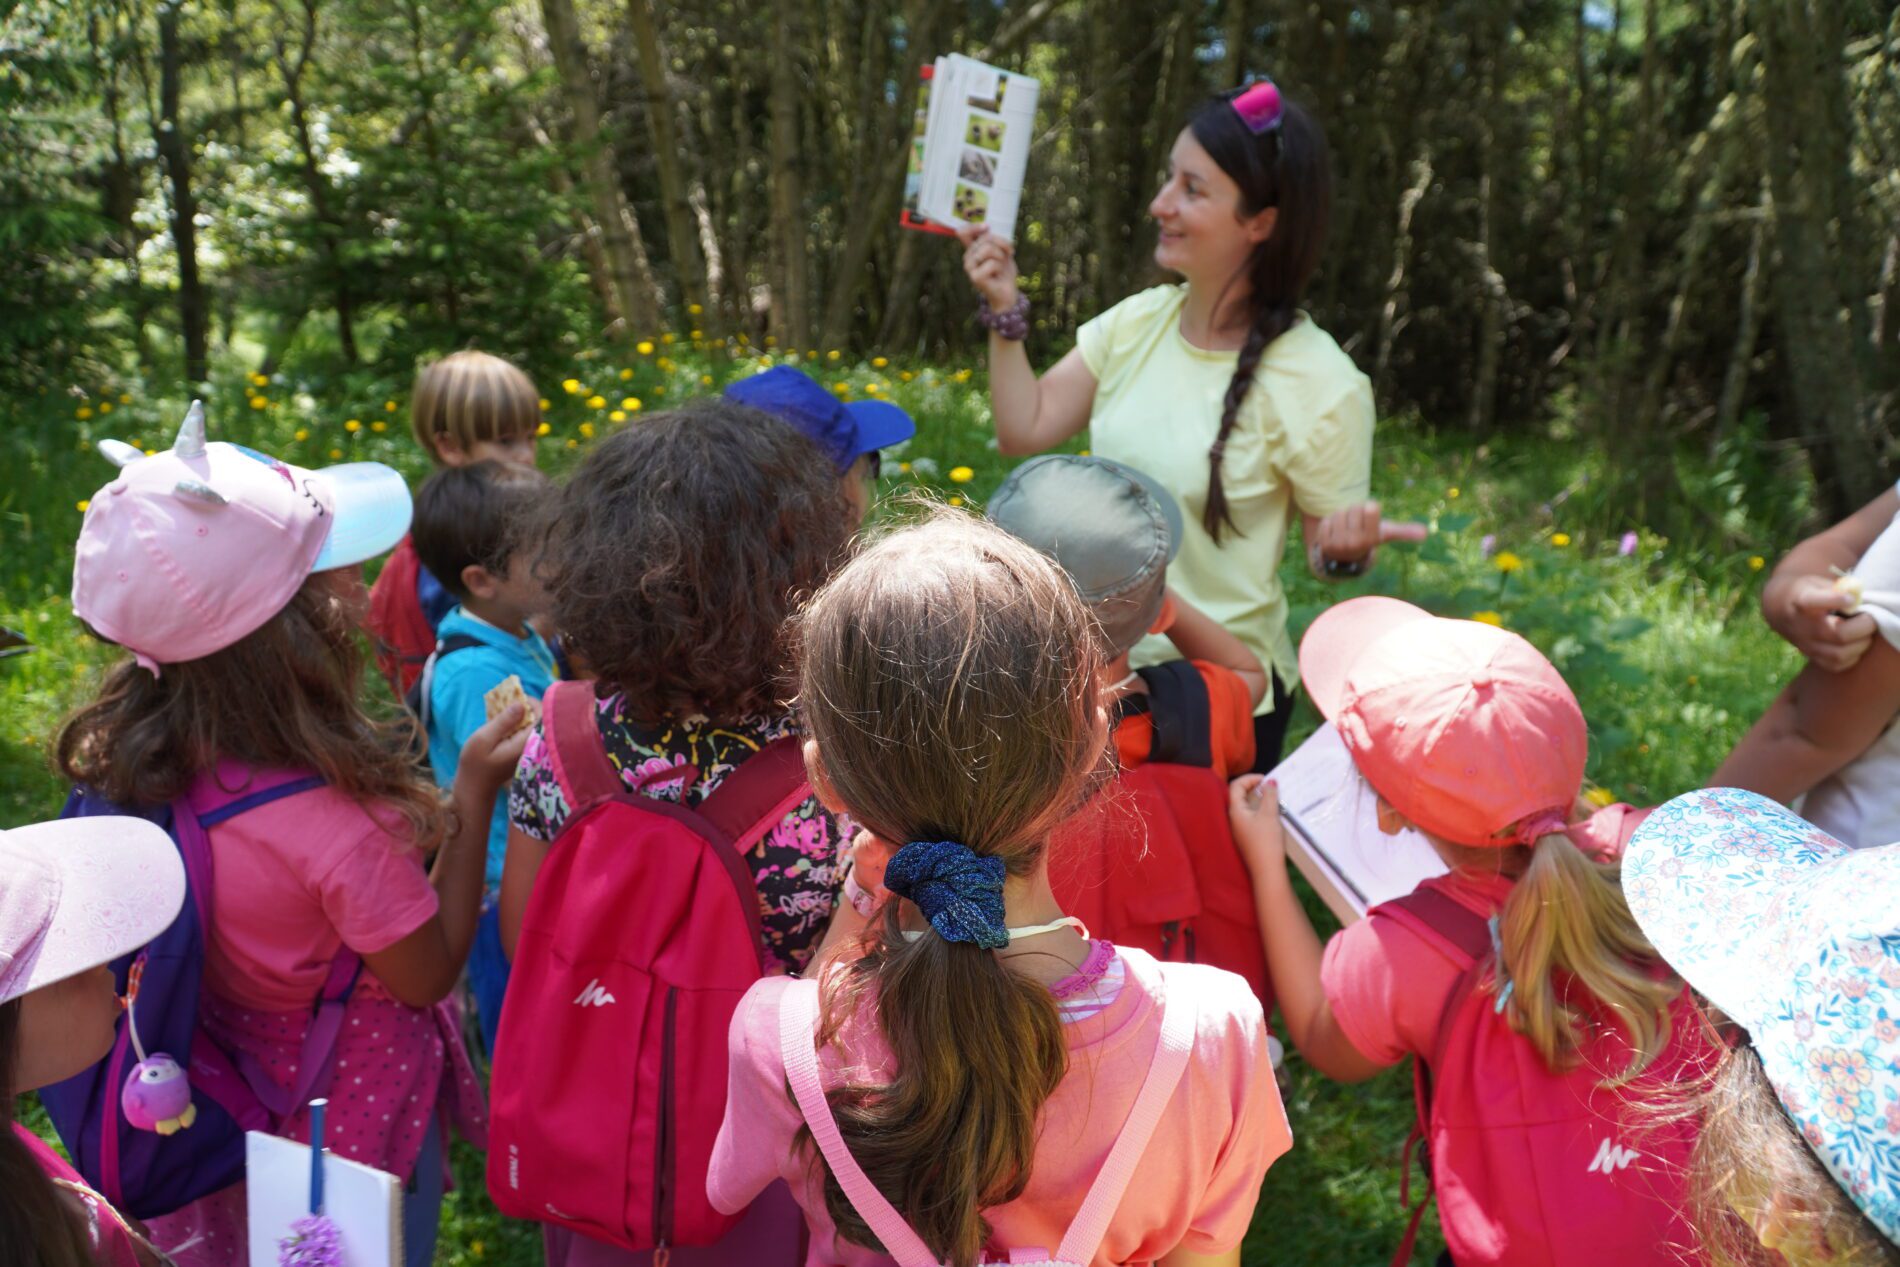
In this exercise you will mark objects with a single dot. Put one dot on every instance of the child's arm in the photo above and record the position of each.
(1198, 636)
(1293, 948)
(1800, 602)
(422, 968)
(518, 869)
(1821, 721)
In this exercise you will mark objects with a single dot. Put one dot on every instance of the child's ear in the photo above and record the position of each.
(479, 582)
(820, 781)
(1260, 225)
(450, 450)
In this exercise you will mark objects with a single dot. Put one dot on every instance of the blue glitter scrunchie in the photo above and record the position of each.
(960, 893)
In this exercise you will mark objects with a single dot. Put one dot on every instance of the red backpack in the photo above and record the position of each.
(1539, 1169)
(397, 624)
(641, 936)
(1153, 864)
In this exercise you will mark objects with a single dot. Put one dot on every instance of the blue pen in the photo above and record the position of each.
(316, 1155)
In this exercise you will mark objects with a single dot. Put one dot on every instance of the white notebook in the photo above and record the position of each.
(365, 1203)
(1333, 836)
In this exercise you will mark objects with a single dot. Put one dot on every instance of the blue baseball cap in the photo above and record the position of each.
(844, 432)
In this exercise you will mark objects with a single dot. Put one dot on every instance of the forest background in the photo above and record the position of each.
(1625, 274)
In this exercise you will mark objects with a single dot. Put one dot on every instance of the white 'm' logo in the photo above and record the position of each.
(593, 995)
(1611, 1157)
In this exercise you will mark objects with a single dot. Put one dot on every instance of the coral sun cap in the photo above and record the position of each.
(193, 549)
(1464, 728)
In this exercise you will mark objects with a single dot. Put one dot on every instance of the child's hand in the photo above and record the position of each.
(1357, 532)
(1253, 808)
(489, 757)
(990, 264)
(869, 856)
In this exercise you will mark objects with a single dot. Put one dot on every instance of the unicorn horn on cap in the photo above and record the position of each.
(191, 436)
(119, 453)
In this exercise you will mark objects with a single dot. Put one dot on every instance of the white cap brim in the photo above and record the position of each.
(371, 507)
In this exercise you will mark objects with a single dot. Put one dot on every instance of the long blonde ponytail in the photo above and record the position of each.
(1566, 914)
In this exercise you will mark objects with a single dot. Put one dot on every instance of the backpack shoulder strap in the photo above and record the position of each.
(797, 1021)
(759, 793)
(578, 755)
(1461, 933)
(1179, 1016)
(1182, 713)
(418, 697)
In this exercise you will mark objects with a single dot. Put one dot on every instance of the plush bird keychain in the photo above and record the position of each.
(314, 1240)
(157, 1094)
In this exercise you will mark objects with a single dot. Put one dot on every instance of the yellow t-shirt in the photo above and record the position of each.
(1303, 439)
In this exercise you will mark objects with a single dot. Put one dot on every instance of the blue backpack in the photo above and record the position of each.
(140, 1171)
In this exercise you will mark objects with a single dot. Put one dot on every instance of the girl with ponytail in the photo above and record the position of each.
(1549, 1032)
(1218, 387)
(959, 1078)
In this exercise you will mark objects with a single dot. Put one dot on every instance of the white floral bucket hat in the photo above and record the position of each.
(1796, 937)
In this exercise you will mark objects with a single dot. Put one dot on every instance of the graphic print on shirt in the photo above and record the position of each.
(593, 994)
(1611, 1157)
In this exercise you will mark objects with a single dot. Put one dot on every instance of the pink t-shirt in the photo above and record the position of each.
(1388, 986)
(112, 1243)
(1196, 1184)
(299, 878)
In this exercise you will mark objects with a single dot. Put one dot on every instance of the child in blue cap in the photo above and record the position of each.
(850, 434)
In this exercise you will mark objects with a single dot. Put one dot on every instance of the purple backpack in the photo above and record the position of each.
(140, 1171)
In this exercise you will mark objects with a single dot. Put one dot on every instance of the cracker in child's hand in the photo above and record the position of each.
(509, 692)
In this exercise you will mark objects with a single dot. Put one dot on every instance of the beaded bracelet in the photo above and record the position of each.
(1012, 323)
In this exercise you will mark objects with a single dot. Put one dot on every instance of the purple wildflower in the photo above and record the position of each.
(1627, 546)
(1486, 544)
(314, 1241)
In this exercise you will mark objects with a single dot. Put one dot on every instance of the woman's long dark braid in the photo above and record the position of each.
(1286, 169)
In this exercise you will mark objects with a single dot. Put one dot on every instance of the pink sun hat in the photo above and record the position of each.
(1464, 728)
(191, 550)
(80, 892)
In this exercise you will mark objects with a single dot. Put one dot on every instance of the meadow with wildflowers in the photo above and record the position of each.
(1660, 638)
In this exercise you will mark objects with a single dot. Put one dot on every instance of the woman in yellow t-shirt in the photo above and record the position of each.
(1220, 388)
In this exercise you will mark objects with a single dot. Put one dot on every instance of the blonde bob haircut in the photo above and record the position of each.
(470, 397)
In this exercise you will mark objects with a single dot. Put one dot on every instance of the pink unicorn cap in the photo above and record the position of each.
(191, 550)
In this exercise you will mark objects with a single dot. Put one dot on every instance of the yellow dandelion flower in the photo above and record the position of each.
(596, 402)
(705, 380)
(335, 454)
(618, 415)
(695, 334)
(353, 425)
(389, 406)
(572, 386)
(659, 391)
(105, 406)
(152, 453)
(82, 413)
(665, 363)
(543, 429)
(587, 430)
(841, 387)
(1600, 797)
(125, 398)
(83, 504)
(874, 388)
(668, 339)
(962, 376)
(694, 309)
(1488, 618)
(1560, 539)
(379, 425)
(771, 340)
(625, 375)
(546, 404)
(905, 375)
(879, 362)
(1452, 493)
(956, 501)
(258, 402)
(961, 475)
(573, 443)
(632, 403)
(302, 434)
(833, 355)
(1505, 561)
(644, 347)
(1756, 563)
(904, 467)
(1085, 453)
(258, 380)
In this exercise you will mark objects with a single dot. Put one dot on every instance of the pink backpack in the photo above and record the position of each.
(798, 1023)
(642, 934)
(1534, 1168)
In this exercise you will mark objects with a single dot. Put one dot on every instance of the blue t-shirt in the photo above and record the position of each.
(457, 710)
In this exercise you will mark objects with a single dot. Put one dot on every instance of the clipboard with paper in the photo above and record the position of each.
(1332, 820)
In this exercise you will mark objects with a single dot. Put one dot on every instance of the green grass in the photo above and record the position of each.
(1664, 649)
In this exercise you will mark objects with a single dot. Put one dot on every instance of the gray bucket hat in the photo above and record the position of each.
(1111, 528)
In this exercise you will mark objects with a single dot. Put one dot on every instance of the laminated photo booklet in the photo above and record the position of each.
(1333, 836)
(970, 147)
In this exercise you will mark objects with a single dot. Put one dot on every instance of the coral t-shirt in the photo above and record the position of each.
(1388, 985)
(1230, 724)
(299, 878)
(1196, 1183)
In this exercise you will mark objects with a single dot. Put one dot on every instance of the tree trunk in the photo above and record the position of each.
(1747, 319)
(1234, 39)
(316, 184)
(633, 284)
(1389, 321)
(790, 232)
(682, 238)
(174, 147)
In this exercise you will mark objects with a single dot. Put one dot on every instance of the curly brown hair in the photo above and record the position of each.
(282, 697)
(680, 547)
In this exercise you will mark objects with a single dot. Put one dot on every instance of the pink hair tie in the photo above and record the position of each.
(1259, 107)
(1545, 822)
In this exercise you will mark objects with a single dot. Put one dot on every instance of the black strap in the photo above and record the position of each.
(1182, 714)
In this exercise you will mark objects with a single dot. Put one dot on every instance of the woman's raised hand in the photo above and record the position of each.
(990, 263)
